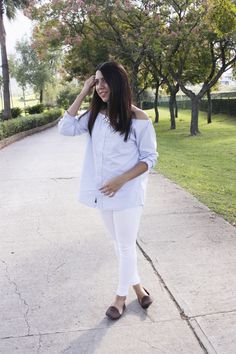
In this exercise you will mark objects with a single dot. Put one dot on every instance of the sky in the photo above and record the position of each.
(15, 30)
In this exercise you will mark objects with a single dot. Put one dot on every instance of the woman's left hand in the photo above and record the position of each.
(112, 186)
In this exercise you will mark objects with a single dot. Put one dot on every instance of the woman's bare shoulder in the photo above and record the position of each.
(139, 113)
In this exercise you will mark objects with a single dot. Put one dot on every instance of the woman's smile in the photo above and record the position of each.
(103, 94)
(102, 87)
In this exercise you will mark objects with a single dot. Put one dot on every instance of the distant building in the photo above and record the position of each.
(227, 79)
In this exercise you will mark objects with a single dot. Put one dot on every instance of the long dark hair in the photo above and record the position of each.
(119, 106)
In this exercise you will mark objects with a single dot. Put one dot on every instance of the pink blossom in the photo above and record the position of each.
(157, 17)
(128, 4)
(68, 40)
(77, 40)
(173, 34)
(27, 13)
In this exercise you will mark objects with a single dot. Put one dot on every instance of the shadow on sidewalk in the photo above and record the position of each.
(90, 339)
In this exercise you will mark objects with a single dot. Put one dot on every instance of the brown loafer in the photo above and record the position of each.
(146, 300)
(113, 312)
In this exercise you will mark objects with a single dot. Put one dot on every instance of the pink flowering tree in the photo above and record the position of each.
(91, 32)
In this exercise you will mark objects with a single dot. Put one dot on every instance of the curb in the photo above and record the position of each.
(21, 135)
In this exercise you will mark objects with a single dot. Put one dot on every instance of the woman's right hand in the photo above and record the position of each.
(88, 85)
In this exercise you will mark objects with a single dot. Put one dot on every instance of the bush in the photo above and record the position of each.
(38, 108)
(147, 104)
(16, 112)
(13, 126)
(224, 106)
(66, 97)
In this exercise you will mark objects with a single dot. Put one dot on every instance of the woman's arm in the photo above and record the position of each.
(88, 85)
(114, 184)
(68, 124)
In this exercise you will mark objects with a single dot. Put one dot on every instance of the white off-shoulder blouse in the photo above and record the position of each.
(108, 155)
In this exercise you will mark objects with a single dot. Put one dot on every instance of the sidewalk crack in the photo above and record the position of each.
(179, 308)
(61, 178)
(212, 313)
(39, 345)
(17, 292)
(204, 334)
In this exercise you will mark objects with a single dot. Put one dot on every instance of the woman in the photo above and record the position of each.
(121, 150)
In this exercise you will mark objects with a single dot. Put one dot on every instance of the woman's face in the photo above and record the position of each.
(102, 87)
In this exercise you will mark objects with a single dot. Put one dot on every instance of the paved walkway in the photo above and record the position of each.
(58, 270)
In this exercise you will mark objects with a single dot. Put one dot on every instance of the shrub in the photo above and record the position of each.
(66, 97)
(147, 104)
(38, 108)
(13, 126)
(224, 106)
(16, 112)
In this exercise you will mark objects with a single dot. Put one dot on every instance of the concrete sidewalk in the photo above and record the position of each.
(59, 271)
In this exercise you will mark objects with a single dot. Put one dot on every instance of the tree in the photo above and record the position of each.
(17, 70)
(119, 26)
(33, 70)
(9, 7)
(188, 42)
(202, 22)
(159, 56)
(126, 31)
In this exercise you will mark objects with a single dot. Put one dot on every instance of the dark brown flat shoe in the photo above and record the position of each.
(146, 300)
(113, 312)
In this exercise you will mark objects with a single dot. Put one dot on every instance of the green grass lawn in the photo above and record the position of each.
(30, 101)
(17, 102)
(205, 165)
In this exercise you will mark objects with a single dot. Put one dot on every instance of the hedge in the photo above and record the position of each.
(13, 126)
(224, 106)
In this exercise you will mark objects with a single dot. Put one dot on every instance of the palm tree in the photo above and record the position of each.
(9, 7)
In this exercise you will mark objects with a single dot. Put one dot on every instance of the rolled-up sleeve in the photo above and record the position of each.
(71, 126)
(147, 143)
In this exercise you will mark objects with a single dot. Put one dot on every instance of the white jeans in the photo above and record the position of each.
(123, 227)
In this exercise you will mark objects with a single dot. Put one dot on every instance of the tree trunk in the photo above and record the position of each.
(209, 108)
(194, 115)
(176, 108)
(134, 86)
(41, 96)
(5, 71)
(172, 112)
(23, 90)
(156, 102)
(1, 98)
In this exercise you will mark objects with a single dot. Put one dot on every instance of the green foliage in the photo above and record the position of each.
(10, 7)
(38, 108)
(17, 125)
(16, 112)
(29, 68)
(147, 104)
(66, 96)
(224, 106)
(76, 59)
(176, 43)
(221, 16)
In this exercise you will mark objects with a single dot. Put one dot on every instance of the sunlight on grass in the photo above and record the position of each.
(31, 100)
(204, 165)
